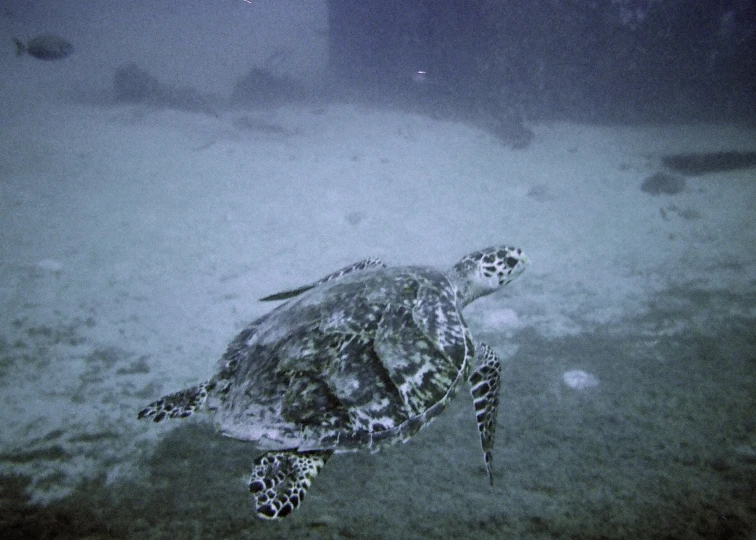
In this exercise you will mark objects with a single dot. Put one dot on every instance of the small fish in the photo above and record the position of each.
(44, 47)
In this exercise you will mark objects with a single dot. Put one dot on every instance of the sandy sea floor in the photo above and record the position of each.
(136, 241)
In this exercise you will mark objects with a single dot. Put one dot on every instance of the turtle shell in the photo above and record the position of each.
(357, 362)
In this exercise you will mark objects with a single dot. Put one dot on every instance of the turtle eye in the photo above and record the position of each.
(512, 262)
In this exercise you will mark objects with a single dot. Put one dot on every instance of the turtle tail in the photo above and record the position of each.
(179, 404)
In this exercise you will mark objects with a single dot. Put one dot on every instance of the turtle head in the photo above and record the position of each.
(486, 271)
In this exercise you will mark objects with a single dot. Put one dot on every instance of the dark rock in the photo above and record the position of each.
(663, 183)
(694, 164)
(131, 84)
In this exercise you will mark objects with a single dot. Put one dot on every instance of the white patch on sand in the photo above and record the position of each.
(578, 379)
(49, 265)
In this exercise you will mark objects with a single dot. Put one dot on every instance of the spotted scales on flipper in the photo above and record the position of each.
(280, 480)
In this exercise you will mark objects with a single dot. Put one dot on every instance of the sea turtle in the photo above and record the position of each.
(363, 357)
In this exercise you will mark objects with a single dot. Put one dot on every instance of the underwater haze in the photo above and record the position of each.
(164, 165)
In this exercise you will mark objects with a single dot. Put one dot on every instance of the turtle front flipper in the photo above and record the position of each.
(485, 383)
(177, 405)
(280, 480)
(365, 264)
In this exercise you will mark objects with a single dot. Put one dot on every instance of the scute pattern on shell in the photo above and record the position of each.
(354, 363)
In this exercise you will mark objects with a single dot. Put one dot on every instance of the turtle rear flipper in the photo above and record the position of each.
(485, 382)
(365, 264)
(280, 480)
(177, 405)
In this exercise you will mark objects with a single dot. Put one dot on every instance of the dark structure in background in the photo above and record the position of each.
(424, 57)
(606, 61)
